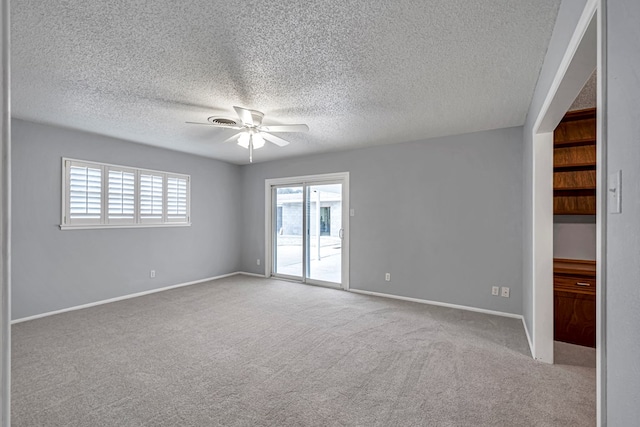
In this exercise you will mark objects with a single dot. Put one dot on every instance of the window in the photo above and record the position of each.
(325, 221)
(97, 195)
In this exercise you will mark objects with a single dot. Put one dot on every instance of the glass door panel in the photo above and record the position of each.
(288, 231)
(324, 232)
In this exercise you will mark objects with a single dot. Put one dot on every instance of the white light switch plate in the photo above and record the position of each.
(614, 193)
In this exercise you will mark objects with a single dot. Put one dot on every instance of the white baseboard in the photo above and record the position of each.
(137, 294)
(441, 304)
(526, 331)
(244, 273)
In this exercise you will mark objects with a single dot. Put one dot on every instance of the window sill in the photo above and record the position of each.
(100, 226)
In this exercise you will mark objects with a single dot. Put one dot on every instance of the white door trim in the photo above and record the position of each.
(601, 218)
(577, 64)
(342, 177)
(5, 216)
(575, 68)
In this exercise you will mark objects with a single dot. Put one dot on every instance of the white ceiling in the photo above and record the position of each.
(587, 96)
(359, 73)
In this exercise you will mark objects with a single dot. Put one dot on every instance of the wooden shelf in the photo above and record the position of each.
(589, 188)
(574, 192)
(574, 266)
(574, 166)
(586, 114)
(574, 142)
(574, 203)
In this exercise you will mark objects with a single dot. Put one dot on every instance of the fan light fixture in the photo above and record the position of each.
(243, 141)
(251, 140)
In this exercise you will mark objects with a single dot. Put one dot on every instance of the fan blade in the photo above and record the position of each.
(257, 117)
(245, 115)
(275, 139)
(215, 125)
(232, 138)
(286, 128)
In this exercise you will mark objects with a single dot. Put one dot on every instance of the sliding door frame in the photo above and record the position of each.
(341, 177)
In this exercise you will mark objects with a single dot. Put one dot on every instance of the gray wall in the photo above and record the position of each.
(568, 16)
(574, 237)
(443, 216)
(623, 230)
(55, 269)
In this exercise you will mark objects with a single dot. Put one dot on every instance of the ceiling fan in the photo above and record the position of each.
(252, 133)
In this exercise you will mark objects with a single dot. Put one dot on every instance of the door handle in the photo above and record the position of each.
(341, 233)
(583, 284)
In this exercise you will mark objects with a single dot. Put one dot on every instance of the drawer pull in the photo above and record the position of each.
(583, 284)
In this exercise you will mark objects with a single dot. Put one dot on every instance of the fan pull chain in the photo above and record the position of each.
(251, 149)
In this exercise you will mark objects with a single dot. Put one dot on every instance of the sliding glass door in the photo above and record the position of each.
(307, 232)
(324, 231)
(288, 232)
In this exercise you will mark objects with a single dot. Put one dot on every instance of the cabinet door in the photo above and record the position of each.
(575, 318)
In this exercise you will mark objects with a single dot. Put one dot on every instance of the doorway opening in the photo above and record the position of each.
(307, 229)
(584, 54)
(574, 231)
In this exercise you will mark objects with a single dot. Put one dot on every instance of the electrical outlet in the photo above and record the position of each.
(495, 290)
(258, 261)
(152, 274)
(387, 277)
(505, 292)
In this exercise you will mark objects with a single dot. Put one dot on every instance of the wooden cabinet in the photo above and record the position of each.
(574, 164)
(574, 292)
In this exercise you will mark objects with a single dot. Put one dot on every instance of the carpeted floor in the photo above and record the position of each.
(254, 352)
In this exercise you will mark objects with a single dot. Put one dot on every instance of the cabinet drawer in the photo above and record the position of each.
(575, 284)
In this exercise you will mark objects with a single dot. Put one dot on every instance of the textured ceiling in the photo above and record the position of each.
(587, 96)
(359, 73)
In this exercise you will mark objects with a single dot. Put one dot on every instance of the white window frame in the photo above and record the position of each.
(66, 223)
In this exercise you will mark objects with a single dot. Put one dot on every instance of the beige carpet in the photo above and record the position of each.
(253, 352)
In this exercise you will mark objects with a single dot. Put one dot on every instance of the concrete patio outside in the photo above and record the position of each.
(327, 267)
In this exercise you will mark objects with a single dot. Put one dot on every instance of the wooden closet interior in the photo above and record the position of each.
(574, 193)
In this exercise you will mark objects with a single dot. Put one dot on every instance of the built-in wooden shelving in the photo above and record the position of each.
(575, 142)
(574, 164)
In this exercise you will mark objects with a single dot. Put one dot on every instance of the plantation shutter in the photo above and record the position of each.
(100, 195)
(177, 199)
(121, 195)
(84, 193)
(151, 197)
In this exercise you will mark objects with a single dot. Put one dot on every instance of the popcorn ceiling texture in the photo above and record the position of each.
(587, 96)
(358, 73)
